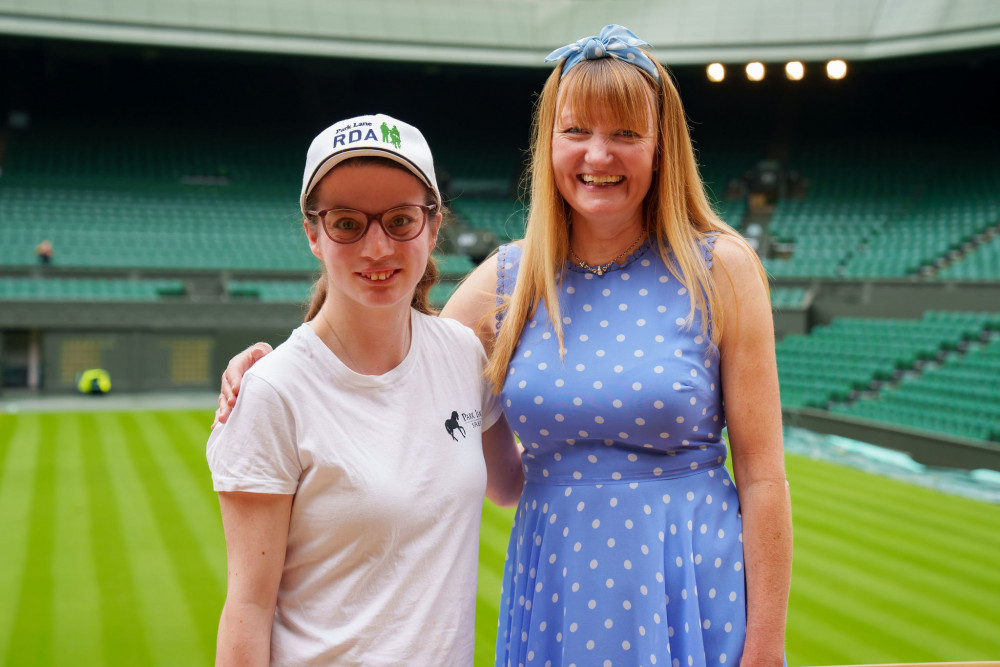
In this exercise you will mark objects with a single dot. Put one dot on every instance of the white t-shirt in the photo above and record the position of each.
(389, 478)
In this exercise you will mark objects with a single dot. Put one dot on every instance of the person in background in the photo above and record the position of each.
(627, 331)
(352, 471)
(44, 252)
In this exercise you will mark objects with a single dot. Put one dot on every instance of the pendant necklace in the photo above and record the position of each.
(601, 269)
(356, 366)
(342, 346)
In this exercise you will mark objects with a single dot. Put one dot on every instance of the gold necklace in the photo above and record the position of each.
(600, 269)
(350, 358)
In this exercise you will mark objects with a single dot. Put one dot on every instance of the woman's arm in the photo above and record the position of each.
(504, 474)
(753, 413)
(256, 527)
(475, 300)
(472, 304)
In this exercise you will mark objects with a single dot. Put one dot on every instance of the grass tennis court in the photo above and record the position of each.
(112, 553)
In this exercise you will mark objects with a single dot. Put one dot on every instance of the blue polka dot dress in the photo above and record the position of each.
(627, 545)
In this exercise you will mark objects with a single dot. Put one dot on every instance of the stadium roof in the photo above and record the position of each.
(521, 32)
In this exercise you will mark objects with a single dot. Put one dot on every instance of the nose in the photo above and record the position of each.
(376, 243)
(598, 152)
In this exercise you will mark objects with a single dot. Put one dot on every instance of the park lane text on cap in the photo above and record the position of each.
(378, 136)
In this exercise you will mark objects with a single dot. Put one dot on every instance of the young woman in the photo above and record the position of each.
(352, 471)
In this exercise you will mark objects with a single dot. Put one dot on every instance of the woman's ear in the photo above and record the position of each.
(434, 224)
(312, 233)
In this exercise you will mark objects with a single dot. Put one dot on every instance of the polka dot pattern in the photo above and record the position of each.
(626, 547)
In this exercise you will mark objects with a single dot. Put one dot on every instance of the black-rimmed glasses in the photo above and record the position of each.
(348, 225)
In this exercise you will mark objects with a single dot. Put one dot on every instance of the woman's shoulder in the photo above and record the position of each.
(296, 353)
(446, 329)
(733, 255)
(476, 296)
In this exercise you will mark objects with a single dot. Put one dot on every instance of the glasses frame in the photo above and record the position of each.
(376, 217)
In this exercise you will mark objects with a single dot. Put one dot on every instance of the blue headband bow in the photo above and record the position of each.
(615, 41)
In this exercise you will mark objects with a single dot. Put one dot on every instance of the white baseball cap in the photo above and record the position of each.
(378, 136)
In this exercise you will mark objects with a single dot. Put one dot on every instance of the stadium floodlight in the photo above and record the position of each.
(836, 69)
(795, 70)
(755, 71)
(716, 72)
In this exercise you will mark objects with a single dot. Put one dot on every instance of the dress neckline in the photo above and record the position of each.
(615, 266)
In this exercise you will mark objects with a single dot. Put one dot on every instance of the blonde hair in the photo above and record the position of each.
(421, 295)
(676, 211)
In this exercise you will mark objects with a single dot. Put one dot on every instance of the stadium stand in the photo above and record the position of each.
(894, 369)
(271, 291)
(788, 297)
(883, 207)
(959, 396)
(94, 289)
(503, 217)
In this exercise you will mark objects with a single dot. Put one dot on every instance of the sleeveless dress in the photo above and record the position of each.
(627, 541)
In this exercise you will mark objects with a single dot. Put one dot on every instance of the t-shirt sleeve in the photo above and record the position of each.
(255, 450)
(492, 408)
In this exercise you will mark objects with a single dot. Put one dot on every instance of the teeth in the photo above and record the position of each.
(379, 275)
(600, 180)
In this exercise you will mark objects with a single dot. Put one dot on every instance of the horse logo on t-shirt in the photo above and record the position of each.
(453, 425)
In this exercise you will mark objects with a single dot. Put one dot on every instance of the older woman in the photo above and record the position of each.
(633, 326)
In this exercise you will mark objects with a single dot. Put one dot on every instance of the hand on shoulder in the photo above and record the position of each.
(475, 300)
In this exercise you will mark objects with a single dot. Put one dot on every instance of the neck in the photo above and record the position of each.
(599, 246)
(371, 344)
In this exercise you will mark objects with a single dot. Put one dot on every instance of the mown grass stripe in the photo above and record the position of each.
(18, 438)
(837, 485)
(189, 432)
(945, 556)
(904, 557)
(494, 535)
(7, 425)
(31, 639)
(173, 451)
(161, 608)
(116, 597)
(886, 508)
(866, 517)
(896, 511)
(896, 604)
(820, 632)
(875, 614)
(900, 533)
(76, 628)
(193, 573)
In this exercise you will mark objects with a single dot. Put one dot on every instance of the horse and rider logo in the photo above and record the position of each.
(391, 135)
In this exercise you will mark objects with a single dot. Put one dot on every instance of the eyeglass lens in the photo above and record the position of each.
(346, 225)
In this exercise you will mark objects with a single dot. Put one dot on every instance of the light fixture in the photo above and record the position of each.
(795, 70)
(716, 72)
(755, 71)
(836, 69)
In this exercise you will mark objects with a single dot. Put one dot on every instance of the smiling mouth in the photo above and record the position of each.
(591, 179)
(379, 275)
